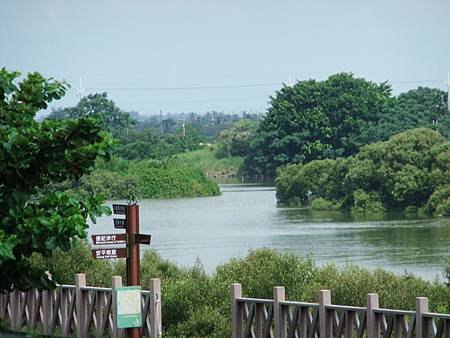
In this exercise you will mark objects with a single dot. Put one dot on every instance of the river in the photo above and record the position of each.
(244, 217)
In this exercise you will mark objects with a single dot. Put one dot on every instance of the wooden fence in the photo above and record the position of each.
(78, 310)
(279, 318)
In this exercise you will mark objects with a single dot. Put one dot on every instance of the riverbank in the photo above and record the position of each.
(223, 169)
(122, 179)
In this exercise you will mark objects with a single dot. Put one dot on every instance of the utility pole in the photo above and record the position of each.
(161, 120)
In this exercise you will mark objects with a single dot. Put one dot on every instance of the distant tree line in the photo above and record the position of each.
(152, 137)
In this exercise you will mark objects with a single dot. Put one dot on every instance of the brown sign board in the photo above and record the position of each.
(119, 209)
(120, 223)
(109, 253)
(109, 239)
(142, 239)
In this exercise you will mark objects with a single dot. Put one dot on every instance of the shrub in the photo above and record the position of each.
(364, 202)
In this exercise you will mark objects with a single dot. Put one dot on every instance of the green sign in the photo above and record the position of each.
(129, 309)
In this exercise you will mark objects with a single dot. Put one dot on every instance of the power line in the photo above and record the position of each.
(186, 88)
(417, 81)
(254, 85)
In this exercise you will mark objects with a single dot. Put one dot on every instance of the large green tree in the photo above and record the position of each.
(421, 107)
(98, 106)
(33, 155)
(316, 119)
(236, 140)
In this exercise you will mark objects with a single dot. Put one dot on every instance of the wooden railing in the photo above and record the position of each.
(279, 318)
(78, 310)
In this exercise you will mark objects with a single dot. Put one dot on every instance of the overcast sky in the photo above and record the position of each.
(167, 44)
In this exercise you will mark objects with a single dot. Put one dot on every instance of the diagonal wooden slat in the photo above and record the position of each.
(106, 312)
(361, 325)
(37, 310)
(293, 322)
(22, 313)
(340, 323)
(71, 315)
(248, 333)
(313, 325)
(91, 299)
(56, 308)
(267, 333)
(439, 329)
(412, 328)
(389, 327)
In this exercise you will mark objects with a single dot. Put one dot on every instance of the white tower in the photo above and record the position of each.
(80, 90)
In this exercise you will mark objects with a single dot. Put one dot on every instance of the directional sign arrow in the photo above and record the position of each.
(119, 209)
(142, 239)
(109, 253)
(120, 223)
(109, 239)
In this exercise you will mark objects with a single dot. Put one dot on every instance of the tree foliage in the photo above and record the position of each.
(32, 155)
(147, 144)
(315, 120)
(410, 172)
(236, 140)
(98, 106)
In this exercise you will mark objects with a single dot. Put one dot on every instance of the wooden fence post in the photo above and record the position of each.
(80, 281)
(421, 325)
(373, 325)
(278, 313)
(14, 303)
(116, 283)
(325, 322)
(236, 313)
(155, 308)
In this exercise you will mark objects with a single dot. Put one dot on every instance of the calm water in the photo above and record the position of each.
(214, 229)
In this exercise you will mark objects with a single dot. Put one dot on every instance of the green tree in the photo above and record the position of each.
(236, 140)
(410, 171)
(98, 106)
(421, 107)
(33, 155)
(315, 120)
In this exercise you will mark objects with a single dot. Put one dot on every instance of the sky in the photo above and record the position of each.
(154, 55)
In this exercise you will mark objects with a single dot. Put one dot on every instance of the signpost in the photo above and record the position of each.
(129, 313)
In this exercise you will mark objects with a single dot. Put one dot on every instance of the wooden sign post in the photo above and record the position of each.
(132, 238)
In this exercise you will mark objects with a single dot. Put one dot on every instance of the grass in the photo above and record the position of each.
(205, 160)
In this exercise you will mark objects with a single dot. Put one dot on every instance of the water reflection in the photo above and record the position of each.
(246, 216)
